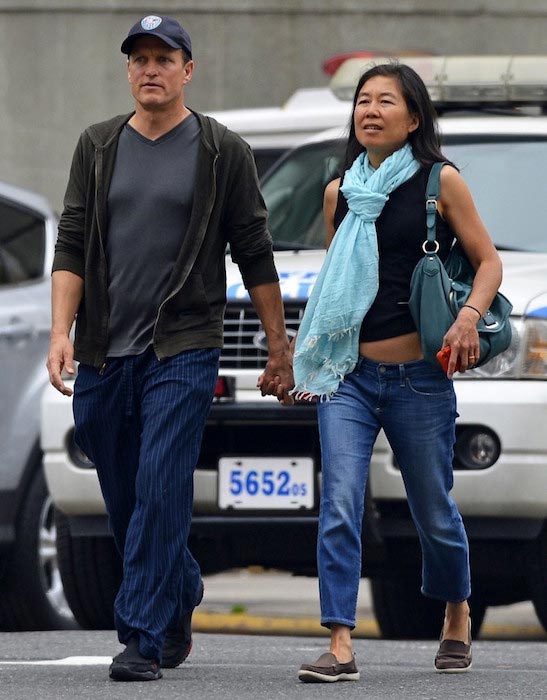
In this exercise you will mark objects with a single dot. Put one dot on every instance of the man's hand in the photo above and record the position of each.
(277, 378)
(67, 290)
(61, 357)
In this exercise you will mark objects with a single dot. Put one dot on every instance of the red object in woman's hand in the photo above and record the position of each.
(443, 356)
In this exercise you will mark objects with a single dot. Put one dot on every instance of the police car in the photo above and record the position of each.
(257, 486)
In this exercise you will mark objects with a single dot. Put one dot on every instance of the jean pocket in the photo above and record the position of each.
(436, 384)
(89, 378)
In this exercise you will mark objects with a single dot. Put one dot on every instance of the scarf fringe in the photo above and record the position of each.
(338, 335)
(304, 395)
(312, 341)
(324, 365)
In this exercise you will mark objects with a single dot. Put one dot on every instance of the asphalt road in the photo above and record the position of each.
(74, 666)
(252, 632)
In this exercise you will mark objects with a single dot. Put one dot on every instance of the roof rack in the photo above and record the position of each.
(462, 80)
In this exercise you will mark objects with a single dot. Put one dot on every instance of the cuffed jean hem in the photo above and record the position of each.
(444, 598)
(325, 622)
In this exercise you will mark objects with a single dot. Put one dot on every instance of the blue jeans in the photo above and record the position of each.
(415, 404)
(141, 422)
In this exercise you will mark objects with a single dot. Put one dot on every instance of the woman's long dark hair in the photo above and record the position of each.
(424, 141)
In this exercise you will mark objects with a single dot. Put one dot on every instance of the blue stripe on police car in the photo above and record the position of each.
(294, 285)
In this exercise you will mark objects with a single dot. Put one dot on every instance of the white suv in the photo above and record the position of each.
(257, 482)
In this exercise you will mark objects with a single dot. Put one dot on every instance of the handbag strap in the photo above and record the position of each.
(432, 191)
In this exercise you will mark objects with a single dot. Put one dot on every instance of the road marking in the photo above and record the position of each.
(68, 661)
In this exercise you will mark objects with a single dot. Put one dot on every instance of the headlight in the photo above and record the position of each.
(525, 358)
(534, 359)
(507, 364)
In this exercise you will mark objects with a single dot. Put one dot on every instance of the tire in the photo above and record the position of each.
(31, 591)
(402, 612)
(91, 570)
(537, 576)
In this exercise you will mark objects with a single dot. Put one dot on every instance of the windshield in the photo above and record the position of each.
(506, 177)
(507, 180)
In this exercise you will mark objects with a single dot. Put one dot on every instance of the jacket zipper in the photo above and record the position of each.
(98, 211)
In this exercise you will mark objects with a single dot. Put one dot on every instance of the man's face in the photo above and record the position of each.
(157, 73)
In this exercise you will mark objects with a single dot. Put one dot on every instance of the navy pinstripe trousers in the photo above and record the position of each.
(141, 422)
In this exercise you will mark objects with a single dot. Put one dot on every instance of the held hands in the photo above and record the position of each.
(277, 378)
(61, 357)
(463, 339)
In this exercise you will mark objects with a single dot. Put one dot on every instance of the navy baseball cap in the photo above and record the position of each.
(165, 28)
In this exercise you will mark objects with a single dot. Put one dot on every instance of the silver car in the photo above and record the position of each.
(31, 593)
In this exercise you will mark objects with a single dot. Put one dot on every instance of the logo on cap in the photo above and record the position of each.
(150, 22)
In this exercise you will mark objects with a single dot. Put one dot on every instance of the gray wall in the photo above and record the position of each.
(61, 67)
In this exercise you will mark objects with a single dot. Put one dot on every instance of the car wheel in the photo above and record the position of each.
(91, 570)
(402, 612)
(537, 576)
(32, 596)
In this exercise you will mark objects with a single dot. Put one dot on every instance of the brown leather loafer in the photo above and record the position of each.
(327, 670)
(454, 656)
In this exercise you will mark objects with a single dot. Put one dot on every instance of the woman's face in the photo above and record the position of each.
(381, 118)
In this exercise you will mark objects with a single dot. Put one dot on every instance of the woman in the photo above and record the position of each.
(359, 348)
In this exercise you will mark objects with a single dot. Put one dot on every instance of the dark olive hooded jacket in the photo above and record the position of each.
(227, 209)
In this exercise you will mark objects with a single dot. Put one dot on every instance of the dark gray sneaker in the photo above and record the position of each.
(130, 665)
(178, 643)
(327, 670)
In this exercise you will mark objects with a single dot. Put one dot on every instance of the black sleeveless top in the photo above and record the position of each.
(401, 231)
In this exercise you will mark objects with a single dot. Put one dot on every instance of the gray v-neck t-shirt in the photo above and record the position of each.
(149, 207)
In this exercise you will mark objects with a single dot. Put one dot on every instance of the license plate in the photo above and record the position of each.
(265, 482)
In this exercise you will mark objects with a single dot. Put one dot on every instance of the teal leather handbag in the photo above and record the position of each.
(438, 292)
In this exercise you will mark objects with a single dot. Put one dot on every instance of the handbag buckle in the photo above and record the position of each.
(435, 249)
(429, 202)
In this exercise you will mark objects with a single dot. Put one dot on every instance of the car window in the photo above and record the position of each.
(266, 157)
(293, 192)
(506, 176)
(22, 244)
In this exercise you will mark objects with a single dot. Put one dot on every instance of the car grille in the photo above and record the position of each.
(241, 326)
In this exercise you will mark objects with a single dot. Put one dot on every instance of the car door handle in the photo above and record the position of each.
(16, 330)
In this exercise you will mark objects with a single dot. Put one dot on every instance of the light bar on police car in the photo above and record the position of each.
(461, 79)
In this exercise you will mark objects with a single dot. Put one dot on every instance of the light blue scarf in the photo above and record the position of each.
(327, 346)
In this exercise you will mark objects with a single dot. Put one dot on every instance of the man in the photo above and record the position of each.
(152, 200)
